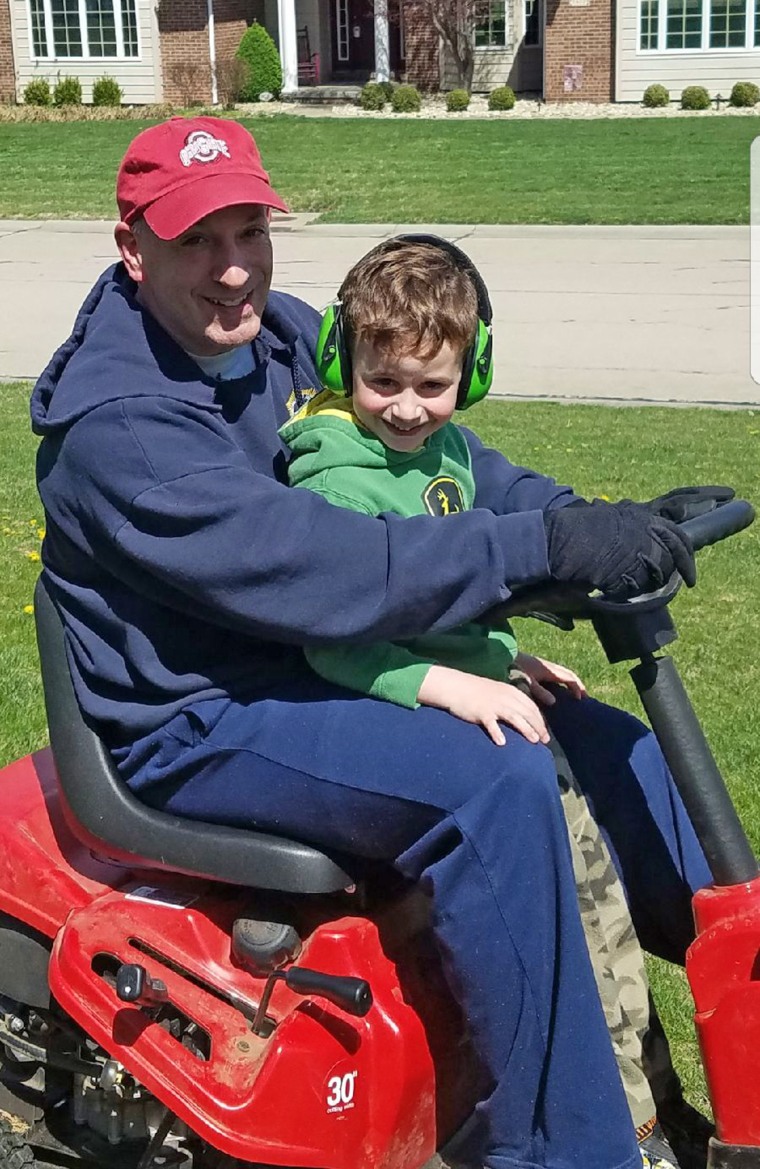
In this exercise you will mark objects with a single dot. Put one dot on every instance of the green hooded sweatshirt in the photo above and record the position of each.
(336, 457)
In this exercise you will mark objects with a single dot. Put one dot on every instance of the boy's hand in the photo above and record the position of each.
(485, 702)
(538, 670)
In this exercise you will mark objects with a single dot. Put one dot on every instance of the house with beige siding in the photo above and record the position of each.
(713, 43)
(165, 50)
(53, 38)
(564, 50)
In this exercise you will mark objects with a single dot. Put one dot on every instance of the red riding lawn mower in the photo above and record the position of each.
(187, 995)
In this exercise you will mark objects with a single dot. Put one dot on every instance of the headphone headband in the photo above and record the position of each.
(333, 345)
(462, 261)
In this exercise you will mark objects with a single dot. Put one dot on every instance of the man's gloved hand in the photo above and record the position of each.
(684, 503)
(620, 548)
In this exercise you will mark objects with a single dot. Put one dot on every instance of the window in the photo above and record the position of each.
(129, 28)
(67, 32)
(533, 22)
(728, 21)
(649, 21)
(101, 28)
(341, 27)
(684, 24)
(84, 28)
(696, 25)
(491, 28)
(37, 12)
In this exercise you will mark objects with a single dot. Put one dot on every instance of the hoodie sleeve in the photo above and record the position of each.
(175, 509)
(504, 488)
(383, 670)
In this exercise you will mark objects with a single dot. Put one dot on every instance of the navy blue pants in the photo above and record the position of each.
(482, 828)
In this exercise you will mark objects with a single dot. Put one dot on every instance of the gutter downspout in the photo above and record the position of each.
(212, 52)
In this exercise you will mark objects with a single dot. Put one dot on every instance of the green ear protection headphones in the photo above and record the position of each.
(334, 355)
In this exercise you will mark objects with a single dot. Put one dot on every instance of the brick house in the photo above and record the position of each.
(566, 50)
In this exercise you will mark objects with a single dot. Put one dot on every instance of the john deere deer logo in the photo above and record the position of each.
(443, 496)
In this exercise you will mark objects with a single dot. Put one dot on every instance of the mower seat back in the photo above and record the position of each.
(105, 815)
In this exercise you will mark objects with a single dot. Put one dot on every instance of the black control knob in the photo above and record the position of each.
(134, 985)
(353, 995)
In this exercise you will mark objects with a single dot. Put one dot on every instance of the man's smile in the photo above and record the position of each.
(231, 303)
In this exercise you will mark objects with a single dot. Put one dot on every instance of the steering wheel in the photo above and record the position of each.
(561, 604)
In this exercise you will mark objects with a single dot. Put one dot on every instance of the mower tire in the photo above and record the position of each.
(15, 1153)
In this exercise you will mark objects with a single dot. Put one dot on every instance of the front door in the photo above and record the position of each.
(352, 27)
(353, 39)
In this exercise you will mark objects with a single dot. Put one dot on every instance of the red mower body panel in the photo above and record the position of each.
(723, 965)
(324, 1088)
(44, 870)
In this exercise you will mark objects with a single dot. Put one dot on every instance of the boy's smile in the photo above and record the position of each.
(403, 398)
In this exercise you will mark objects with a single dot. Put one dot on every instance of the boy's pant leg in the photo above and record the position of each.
(481, 828)
(631, 795)
(616, 957)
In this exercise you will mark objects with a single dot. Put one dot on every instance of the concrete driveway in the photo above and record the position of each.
(613, 314)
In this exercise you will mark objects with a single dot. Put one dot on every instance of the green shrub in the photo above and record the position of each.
(457, 101)
(387, 88)
(406, 100)
(655, 96)
(37, 92)
(106, 91)
(372, 96)
(744, 93)
(502, 98)
(67, 92)
(259, 52)
(695, 97)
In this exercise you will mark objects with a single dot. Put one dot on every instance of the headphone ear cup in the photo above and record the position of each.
(332, 358)
(477, 369)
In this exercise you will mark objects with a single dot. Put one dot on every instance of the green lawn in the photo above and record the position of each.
(627, 170)
(637, 452)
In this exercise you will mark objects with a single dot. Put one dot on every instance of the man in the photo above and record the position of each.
(189, 577)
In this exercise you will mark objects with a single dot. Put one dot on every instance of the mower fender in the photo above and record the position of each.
(44, 870)
(723, 966)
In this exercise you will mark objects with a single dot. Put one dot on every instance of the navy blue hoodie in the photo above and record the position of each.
(186, 569)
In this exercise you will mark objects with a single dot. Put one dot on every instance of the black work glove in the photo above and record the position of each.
(684, 503)
(620, 548)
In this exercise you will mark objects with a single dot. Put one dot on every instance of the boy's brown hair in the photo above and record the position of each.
(409, 298)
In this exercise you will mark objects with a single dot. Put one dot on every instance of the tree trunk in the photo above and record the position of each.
(454, 21)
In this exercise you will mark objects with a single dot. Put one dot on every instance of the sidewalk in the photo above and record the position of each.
(612, 314)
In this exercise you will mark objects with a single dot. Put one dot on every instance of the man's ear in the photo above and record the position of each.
(128, 244)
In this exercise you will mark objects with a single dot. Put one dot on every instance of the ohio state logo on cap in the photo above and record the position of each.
(200, 146)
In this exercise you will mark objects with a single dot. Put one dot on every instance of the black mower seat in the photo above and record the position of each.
(117, 825)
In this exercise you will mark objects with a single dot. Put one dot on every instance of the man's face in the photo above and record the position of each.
(207, 287)
(402, 398)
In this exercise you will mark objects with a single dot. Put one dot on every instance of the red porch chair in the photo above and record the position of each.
(308, 62)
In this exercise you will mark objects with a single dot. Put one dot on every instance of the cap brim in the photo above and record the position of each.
(178, 210)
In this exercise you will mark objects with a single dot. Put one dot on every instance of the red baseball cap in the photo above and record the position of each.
(176, 173)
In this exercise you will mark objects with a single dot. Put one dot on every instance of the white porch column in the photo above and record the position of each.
(212, 53)
(286, 14)
(382, 45)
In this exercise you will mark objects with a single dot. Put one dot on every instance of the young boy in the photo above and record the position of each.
(408, 327)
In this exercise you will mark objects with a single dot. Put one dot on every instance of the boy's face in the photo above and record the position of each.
(402, 398)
